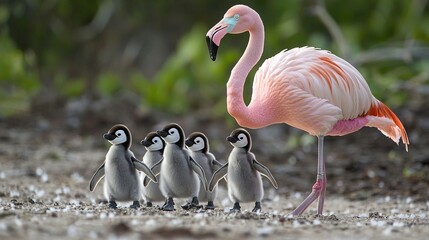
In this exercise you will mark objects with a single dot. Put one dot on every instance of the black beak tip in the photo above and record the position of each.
(189, 143)
(212, 48)
(162, 133)
(108, 136)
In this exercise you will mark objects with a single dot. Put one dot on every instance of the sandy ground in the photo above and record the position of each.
(44, 195)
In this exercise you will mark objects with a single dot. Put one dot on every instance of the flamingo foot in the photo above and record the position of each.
(318, 192)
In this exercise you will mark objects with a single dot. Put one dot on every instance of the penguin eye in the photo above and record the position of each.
(118, 134)
(155, 141)
(198, 141)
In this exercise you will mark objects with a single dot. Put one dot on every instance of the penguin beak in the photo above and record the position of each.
(231, 139)
(189, 142)
(162, 133)
(109, 136)
(145, 143)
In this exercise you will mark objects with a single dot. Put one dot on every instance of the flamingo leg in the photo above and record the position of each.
(319, 188)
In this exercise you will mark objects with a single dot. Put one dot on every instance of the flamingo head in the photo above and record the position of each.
(237, 19)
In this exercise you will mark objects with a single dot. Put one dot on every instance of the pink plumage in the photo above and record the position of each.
(321, 94)
(307, 88)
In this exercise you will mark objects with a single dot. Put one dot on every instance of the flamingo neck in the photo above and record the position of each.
(235, 102)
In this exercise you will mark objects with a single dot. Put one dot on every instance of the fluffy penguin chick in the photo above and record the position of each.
(154, 150)
(179, 173)
(198, 144)
(120, 169)
(243, 172)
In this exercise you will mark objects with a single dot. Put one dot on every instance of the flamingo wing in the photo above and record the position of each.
(314, 90)
(306, 86)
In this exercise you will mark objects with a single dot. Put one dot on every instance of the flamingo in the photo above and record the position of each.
(307, 88)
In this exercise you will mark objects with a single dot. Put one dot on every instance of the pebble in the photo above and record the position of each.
(265, 231)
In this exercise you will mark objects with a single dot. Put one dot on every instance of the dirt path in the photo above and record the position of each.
(44, 195)
(37, 212)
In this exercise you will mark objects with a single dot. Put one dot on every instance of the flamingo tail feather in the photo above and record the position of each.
(380, 116)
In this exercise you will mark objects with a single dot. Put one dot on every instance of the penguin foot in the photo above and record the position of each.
(193, 204)
(148, 204)
(113, 205)
(210, 205)
(235, 208)
(168, 205)
(257, 207)
(135, 205)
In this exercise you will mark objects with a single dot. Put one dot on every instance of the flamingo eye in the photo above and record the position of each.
(236, 17)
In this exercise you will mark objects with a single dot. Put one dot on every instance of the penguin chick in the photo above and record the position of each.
(198, 144)
(154, 150)
(179, 173)
(120, 169)
(243, 172)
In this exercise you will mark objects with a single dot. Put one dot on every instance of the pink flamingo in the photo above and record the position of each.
(307, 88)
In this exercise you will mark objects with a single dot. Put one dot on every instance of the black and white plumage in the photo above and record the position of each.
(199, 147)
(243, 172)
(154, 153)
(179, 173)
(121, 169)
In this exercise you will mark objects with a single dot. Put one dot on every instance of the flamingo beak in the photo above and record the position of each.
(214, 36)
(212, 48)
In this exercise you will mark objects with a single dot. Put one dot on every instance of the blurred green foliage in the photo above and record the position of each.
(188, 79)
(18, 83)
(157, 49)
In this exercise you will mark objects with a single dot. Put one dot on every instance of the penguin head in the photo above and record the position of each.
(197, 141)
(119, 134)
(240, 138)
(153, 142)
(173, 133)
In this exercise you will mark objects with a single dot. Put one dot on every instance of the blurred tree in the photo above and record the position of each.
(67, 49)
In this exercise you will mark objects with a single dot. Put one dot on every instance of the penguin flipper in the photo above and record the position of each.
(146, 181)
(264, 171)
(220, 173)
(156, 168)
(98, 175)
(200, 172)
(216, 164)
(144, 168)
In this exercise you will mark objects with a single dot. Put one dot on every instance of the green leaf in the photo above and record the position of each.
(108, 84)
